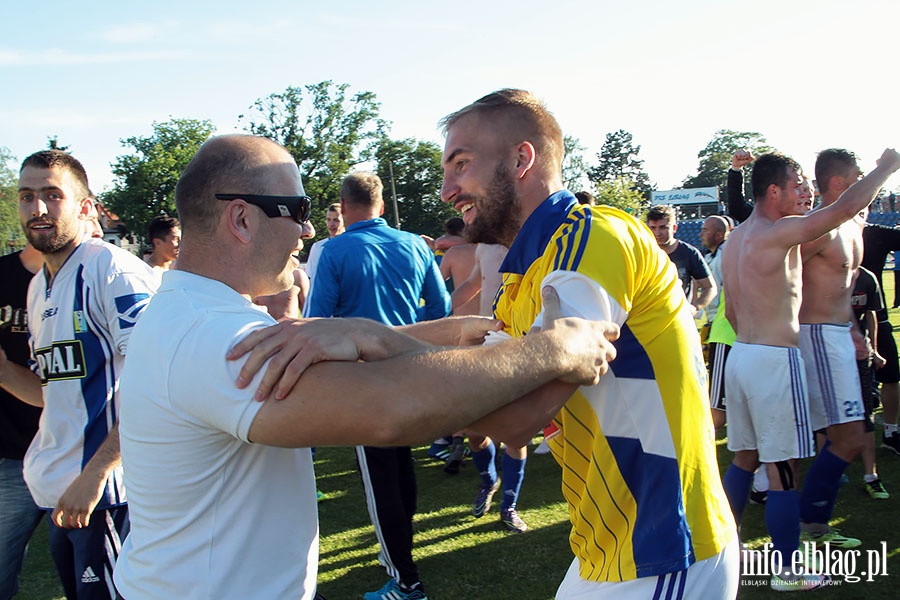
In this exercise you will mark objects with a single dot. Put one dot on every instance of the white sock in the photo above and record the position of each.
(870, 478)
(890, 429)
(761, 480)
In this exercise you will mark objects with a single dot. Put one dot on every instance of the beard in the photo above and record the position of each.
(50, 244)
(497, 213)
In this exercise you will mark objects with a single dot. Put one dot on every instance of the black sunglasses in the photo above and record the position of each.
(295, 207)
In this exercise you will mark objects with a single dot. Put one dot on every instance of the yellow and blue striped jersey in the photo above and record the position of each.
(637, 450)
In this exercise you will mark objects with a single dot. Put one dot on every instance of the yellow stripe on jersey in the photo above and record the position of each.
(637, 450)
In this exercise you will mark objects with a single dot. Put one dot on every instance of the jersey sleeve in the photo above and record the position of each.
(127, 293)
(213, 399)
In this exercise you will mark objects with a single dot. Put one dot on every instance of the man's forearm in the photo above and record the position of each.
(107, 457)
(516, 423)
(21, 383)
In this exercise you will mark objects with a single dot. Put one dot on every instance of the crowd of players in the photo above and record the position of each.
(568, 318)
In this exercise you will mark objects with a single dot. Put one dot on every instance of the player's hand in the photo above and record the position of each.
(293, 345)
(587, 345)
(861, 344)
(878, 361)
(890, 160)
(473, 329)
(741, 158)
(79, 501)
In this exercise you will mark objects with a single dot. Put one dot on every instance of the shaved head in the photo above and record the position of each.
(227, 164)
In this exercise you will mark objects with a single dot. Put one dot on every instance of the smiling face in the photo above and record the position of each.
(51, 205)
(478, 181)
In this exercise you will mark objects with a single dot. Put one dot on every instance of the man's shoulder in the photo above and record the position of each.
(100, 254)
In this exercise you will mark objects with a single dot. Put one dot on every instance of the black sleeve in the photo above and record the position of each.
(738, 207)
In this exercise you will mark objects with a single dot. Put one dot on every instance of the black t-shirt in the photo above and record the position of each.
(690, 265)
(18, 421)
(866, 296)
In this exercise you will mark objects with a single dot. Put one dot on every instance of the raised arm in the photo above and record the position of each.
(738, 207)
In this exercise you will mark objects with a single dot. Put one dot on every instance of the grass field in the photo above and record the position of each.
(463, 557)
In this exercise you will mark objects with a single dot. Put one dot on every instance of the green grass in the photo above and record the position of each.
(461, 557)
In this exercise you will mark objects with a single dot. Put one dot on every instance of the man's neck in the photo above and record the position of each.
(158, 261)
(54, 261)
(354, 217)
(670, 247)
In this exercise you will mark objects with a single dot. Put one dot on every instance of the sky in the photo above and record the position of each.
(806, 74)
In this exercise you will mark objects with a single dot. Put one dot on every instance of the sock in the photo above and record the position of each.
(737, 484)
(890, 429)
(820, 492)
(513, 473)
(783, 523)
(761, 479)
(870, 478)
(484, 460)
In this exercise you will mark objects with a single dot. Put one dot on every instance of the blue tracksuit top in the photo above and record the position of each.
(375, 271)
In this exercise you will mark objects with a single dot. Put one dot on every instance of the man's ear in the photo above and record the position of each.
(525, 156)
(86, 208)
(241, 222)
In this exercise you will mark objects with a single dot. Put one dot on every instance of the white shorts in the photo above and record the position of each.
(767, 407)
(716, 577)
(832, 375)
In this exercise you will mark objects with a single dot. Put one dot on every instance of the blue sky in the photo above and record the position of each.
(807, 74)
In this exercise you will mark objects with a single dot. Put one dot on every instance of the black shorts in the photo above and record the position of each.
(887, 348)
(717, 355)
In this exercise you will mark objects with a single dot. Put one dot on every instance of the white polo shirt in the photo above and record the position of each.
(212, 515)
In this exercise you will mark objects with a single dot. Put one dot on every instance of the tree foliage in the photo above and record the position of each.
(418, 177)
(325, 129)
(11, 235)
(145, 179)
(715, 158)
(574, 167)
(618, 161)
(621, 193)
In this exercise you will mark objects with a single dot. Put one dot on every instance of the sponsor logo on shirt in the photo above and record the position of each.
(61, 361)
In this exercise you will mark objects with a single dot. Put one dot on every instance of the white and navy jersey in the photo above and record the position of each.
(78, 334)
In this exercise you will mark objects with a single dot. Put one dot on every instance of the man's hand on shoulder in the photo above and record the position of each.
(294, 345)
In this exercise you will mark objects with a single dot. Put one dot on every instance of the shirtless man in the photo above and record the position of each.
(762, 271)
(457, 266)
(827, 344)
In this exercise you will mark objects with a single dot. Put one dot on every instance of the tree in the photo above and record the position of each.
(574, 167)
(618, 160)
(11, 235)
(325, 131)
(144, 185)
(53, 144)
(418, 177)
(622, 194)
(715, 158)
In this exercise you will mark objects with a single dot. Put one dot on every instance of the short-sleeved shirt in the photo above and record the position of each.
(637, 450)
(79, 326)
(690, 265)
(18, 421)
(211, 512)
